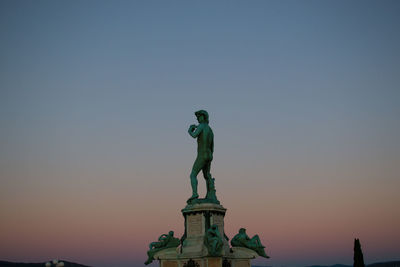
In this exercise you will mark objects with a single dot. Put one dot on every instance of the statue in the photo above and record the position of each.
(164, 241)
(213, 241)
(254, 243)
(205, 149)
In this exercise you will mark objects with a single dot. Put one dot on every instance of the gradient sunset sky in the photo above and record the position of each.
(96, 98)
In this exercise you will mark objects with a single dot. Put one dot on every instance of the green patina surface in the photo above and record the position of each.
(254, 243)
(164, 241)
(205, 150)
(213, 241)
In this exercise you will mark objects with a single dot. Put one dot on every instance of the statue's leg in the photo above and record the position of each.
(209, 181)
(257, 241)
(207, 176)
(150, 257)
(259, 247)
(193, 177)
(214, 247)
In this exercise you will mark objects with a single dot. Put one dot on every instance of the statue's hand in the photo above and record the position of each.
(192, 127)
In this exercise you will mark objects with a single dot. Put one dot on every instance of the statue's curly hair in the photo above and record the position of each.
(202, 112)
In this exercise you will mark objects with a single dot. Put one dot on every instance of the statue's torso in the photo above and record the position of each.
(205, 143)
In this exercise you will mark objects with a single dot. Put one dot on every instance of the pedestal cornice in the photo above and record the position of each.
(203, 207)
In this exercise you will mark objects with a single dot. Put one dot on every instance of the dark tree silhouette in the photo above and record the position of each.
(358, 255)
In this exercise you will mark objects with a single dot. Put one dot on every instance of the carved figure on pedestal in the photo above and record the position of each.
(205, 150)
(213, 241)
(164, 241)
(254, 243)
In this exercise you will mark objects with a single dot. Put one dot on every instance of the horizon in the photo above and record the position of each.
(255, 265)
(96, 99)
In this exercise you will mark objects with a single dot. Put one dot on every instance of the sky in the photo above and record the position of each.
(96, 98)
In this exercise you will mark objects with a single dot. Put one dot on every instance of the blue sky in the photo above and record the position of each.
(301, 94)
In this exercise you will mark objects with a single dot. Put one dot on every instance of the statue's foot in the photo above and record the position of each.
(211, 195)
(194, 196)
(262, 253)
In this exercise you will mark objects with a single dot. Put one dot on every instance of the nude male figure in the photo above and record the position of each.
(254, 243)
(205, 149)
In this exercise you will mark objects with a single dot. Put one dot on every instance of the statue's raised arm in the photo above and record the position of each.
(195, 130)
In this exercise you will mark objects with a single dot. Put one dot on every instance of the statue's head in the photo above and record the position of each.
(202, 113)
(242, 230)
(171, 233)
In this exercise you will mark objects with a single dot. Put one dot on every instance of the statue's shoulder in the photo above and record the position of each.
(207, 128)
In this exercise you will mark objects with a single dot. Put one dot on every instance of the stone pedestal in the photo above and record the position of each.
(198, 219)
(237, 257)
(193, 252)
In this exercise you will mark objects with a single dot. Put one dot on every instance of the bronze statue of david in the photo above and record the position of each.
(205, 150)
